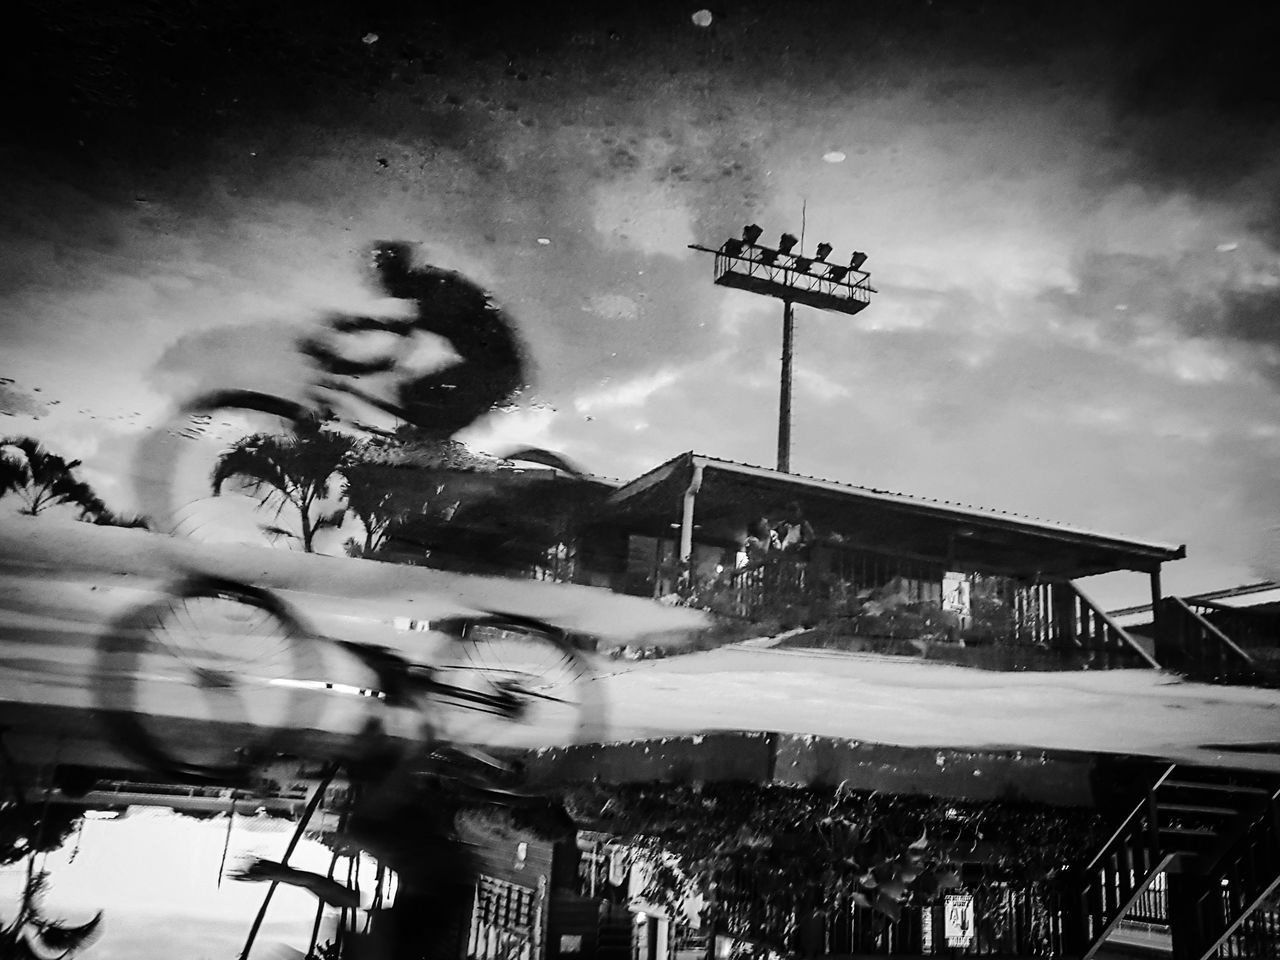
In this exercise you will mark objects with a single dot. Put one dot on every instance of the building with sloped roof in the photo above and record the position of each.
(681, 528)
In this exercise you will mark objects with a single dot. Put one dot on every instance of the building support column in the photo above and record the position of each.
(686, 527)
(1187, 895)
(1156, 597)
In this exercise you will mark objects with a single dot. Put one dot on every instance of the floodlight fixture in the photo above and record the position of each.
(793, 277)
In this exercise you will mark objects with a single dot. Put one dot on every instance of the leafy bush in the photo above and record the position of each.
(762, 854)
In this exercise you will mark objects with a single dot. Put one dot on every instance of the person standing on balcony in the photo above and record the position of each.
(794, 532)
(762, 540)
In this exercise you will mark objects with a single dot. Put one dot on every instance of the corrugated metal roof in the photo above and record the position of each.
(903, 499)
(1246, 595)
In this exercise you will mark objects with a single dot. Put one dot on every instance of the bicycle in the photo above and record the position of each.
(236, 646)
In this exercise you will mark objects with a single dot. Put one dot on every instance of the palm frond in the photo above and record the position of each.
(14, 472)
(295, 470)
(43, 479)
(255, 461)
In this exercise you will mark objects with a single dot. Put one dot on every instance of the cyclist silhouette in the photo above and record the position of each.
(406, 823)
(490, 367)
(404, 816)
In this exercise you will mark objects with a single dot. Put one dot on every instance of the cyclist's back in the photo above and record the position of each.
(412, 834)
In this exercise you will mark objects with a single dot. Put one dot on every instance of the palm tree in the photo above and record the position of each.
(296, 471)
(41, 479)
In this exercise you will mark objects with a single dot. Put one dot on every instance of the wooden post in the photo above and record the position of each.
(686, 529)
(1187, 893)
(1063, 602)
(1155, 609)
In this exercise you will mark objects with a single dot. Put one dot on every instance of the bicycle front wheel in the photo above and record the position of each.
(510, 681)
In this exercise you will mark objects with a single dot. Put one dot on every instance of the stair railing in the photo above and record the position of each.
(1190, 644)
(1122, 870)
(1249, 875)
(1060, 614)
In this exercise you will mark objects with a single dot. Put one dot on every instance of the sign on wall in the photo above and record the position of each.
(957, 919)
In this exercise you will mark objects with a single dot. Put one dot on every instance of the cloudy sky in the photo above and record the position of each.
(1071, 212)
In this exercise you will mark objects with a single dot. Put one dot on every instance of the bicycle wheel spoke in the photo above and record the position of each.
(509, 684)
(209, 652)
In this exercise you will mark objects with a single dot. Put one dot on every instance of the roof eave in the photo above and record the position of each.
(1154, 552)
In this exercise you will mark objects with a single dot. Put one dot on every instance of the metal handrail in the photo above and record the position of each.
(1145, 801)
(1111, 625)
(1208, 628)
(1264, 824)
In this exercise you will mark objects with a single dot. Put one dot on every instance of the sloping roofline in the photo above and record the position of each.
(937, 508)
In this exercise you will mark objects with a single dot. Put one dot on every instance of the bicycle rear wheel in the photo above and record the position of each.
(207, 681)
(511, 681)
(177, 460)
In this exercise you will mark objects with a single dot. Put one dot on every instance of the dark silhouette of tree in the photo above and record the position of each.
(27, 828)
(392, 479)
(26, 831)
(508, 518)
(33, 936)
(296, 471)
(42, 479)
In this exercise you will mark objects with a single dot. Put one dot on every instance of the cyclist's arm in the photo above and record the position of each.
(330, 891)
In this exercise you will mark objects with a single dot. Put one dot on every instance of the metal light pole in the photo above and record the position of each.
(784, 393)
(792, 278)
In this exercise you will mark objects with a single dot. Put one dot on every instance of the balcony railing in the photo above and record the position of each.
(886, 596)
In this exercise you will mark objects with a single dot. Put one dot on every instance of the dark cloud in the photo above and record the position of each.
(1250, 318)
(1124, 298)
(156, 86)
(1121, 295)
(1196, 104)
(236, 92)
(1200, 88)
(15, 401)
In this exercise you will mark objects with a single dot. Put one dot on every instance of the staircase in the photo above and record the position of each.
(1216, 834)
(1060, 615)
(1190, 643)
(614, 937)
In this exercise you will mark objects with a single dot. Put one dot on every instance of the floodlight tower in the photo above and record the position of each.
(792, 278)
